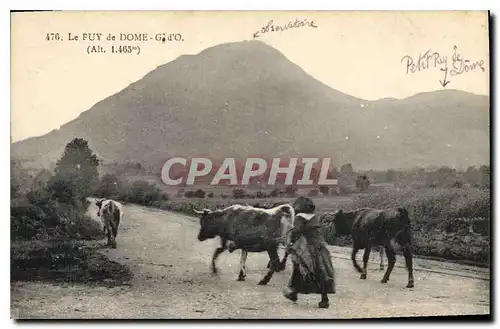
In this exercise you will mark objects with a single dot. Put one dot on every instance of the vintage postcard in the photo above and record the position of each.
(250, 165)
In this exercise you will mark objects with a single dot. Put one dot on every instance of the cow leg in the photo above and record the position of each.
(366, 258)
(391, 260)
(273, 254)
(115, 222)
(282, 264)
(231, 246)
(216, 254)
(109, 236)
(409, 265)
(355, 249)
(243, 266)
(114, 233)
(381, 252)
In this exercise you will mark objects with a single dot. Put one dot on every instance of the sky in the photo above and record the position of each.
(358, 53)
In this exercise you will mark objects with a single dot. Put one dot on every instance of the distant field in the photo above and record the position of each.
(228, 190)
(323, 204)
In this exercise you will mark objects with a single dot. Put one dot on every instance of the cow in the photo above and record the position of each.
(250, 229)
(328, 218)
(374, 227)
(282, 264)
(111, 213)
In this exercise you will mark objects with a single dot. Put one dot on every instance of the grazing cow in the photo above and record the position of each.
(111, 213)
(249, 229)
(371, 227)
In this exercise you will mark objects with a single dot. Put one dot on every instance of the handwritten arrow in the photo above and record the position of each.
(444, 82)
(256, 35)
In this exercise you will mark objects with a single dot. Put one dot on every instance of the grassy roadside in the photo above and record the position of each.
(54, 241)
(72, 261)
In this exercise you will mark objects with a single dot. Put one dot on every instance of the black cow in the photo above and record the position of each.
(250, 229)
(371, 227)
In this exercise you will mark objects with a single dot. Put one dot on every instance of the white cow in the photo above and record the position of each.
(111, 214)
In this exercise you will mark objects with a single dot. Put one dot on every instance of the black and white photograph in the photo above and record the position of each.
(250, 165)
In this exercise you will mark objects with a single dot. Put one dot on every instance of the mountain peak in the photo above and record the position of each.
(246, 98)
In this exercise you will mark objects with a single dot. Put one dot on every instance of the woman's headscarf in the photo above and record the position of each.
(304, 205)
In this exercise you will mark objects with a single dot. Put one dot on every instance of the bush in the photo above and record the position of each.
(199, 194)
(195, 194)
(324, 190)
(345, 190)
(210, 195)
(109, 187)
(424, 204)
(313, 193)
(64, 261)
(457, 184)
(274, 193)
(42, 217)
(239, 193)
(260, 195)
(142, 192)
(291, 191)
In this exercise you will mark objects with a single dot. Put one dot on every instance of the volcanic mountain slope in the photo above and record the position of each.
(246, 98)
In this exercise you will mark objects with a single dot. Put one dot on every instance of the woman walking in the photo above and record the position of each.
(312, 266)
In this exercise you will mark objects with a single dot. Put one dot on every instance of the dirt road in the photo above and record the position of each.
(172, 280)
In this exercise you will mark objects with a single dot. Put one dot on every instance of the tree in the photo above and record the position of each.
(485, 175)
(291, 191)
(76, 172)
(362, 183)
(109, 186)
(199, 193)
(444, 175)
(390, 176)
(324, 189)
(312, 193)
(14, 188)
(347, 169)
(238, 193)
